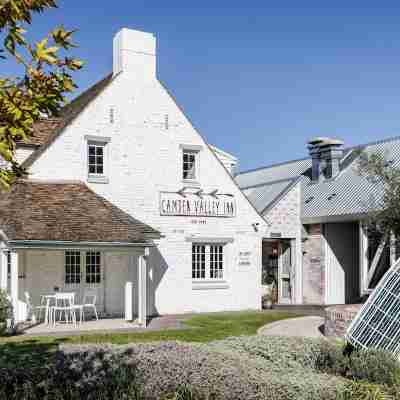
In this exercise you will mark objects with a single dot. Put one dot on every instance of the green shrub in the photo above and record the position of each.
(5, 310)
(101, 380)
(164, 368)
(287, 352)
(374, 366)
(253, 368)
(361, 390)
(284, 353)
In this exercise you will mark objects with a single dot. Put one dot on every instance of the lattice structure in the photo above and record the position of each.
(377, 325)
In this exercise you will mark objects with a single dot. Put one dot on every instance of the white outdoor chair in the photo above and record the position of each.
(31, 308)
(89, 301)
(64, 304)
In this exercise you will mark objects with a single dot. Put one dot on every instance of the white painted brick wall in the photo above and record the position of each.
(285, 218)
(145, 159)
(21, 154)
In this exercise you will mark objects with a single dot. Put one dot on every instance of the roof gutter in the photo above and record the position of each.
(321, 219)
(61, 244)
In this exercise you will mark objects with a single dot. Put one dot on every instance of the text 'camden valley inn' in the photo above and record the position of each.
(197, 205)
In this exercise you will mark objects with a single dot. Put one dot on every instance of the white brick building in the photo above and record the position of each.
(128, 141)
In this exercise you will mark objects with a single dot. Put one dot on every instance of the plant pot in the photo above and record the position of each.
(267, 304)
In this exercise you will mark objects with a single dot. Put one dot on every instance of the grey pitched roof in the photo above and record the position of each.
(263, 196)
(272, 173)
(347, 196)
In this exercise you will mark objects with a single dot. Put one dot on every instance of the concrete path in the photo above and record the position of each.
(304, 327)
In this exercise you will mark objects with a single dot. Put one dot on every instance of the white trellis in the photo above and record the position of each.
(377, 324)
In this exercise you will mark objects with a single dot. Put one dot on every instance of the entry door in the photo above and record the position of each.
(84, 270)
(285, 267)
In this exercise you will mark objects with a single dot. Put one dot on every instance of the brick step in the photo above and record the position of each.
(306, 309)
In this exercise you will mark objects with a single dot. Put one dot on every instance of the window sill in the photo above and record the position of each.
(209, 285)
(98, 179)
(191, 182)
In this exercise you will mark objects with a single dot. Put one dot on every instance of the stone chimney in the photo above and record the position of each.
(134, 54)
(326, 154)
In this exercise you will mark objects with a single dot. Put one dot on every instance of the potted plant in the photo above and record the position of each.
(267, 301)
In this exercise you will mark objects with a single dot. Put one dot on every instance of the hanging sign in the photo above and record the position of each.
(192, 205)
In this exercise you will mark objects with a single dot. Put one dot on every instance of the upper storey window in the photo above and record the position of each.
(189, 165)
(97, 159)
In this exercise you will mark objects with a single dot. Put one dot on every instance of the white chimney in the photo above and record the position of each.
(134, 53)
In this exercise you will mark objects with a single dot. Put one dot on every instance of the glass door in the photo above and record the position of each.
(285, 268)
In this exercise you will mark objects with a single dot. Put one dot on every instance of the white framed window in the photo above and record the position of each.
(207, 261)
(216, 261)
(72, 267)
(97, 157)
(77, 263)
(189, 165)
(198, 261)
(93, 267)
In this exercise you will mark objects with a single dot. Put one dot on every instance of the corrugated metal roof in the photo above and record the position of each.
(262, 196)
(288, 170)
(348, 194)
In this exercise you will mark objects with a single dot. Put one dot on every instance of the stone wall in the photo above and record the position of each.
(313, 265)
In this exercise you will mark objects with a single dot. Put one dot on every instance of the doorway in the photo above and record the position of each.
(277, 263)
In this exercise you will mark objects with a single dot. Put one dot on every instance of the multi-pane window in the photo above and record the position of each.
(216, 262)
(93, 267)
(96, 158)
(72, 267)
(189, 164)
(207, 261)
(198, 261)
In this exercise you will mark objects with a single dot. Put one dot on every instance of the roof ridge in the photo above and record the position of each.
(270, 183)
(273, 165)
(380, 141)
(385, 140)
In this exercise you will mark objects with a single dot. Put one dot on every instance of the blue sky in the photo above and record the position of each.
(258, 78)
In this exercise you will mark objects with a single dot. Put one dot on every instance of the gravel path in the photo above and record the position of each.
(304, 327)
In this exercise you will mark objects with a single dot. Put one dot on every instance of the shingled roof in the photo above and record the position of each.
(46, 131)
(66, 211)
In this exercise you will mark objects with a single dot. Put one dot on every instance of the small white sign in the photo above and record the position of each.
(192, 205)
(244, 258)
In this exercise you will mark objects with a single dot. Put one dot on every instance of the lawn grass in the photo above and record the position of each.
(35, 351)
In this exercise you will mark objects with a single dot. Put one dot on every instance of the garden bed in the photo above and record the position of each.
(253, 368)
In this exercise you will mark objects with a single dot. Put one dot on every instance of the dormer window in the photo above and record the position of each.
(97, 159)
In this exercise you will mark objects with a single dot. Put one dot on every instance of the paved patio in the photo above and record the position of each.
(311, 326)
(103, 325)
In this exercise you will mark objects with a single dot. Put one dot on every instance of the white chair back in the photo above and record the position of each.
(90, 297)
(28, 300)
(64, 299)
